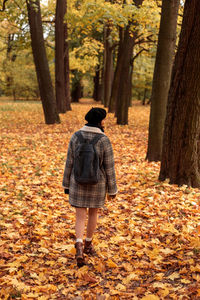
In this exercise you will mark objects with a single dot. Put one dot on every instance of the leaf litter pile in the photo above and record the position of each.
(147, 240)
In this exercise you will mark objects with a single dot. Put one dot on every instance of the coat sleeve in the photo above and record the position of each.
(68, 166)
(109, 167)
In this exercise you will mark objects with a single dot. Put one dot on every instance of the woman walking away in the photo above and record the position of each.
(89, 174)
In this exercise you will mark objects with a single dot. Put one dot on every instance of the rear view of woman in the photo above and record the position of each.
(87, 197)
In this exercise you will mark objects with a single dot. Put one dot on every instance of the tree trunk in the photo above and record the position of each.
(66, 70)
(76, 87)
(7, 66)
(108, 70)
(162, 77)
(59, 56)
(123, 97)
(96, 84)
(180, 155)
(41, 63)
(125, 77)
(116, 80)
(130, 82)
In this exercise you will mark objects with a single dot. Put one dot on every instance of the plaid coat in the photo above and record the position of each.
(91, 195)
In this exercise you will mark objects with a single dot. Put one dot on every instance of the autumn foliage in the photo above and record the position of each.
(148, 238)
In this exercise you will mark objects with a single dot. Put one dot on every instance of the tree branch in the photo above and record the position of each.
(134, 57)
(4, 6)
(48, 21)
(145, 41)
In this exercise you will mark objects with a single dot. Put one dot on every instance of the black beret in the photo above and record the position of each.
(95, 115)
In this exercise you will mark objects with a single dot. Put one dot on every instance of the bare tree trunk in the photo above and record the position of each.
(59, 56)
(66, 69)
(125, 71)
(41, 63)
(181, 147)
(123, 99)
(162, 77)
(96, 84)
(116, 80)
(76, 92)
(108, 71)
(7, 67)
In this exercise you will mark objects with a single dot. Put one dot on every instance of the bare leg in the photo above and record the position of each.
(81, 214)
(92, 221)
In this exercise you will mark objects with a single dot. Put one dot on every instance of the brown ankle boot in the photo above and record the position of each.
(88, 248)
(79, 254)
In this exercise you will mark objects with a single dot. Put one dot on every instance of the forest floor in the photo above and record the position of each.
(148, 238)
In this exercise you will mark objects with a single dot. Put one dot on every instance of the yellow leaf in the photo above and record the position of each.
(159, 276)
(186, 281)
(20, 285)
(195, 268)
(173, 276)
(130, 277)
(150, 297)
(42, 277)
(62, 260)
(163, 292)
(43, 250)
(80, 272)
(100, 267)
(159, 285)
(111, 264)
(31, 295)
(167, 251)
(120, 287)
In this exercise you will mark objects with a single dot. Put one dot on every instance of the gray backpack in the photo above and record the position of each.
(86, 160)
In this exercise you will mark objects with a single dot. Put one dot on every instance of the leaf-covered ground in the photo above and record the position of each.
(148, 238)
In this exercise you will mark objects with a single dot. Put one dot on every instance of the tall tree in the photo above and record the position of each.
(66, 67)
(125, 69)
(125, 75)
(97, 85)
(108, 66)
(181, 148)
(116, 80)
(41, 62)
(61, 59)
(162, 77)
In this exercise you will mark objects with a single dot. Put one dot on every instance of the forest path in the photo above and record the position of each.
(147, 239)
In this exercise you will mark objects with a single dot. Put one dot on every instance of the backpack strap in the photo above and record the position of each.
(96, 138)
(80, 137)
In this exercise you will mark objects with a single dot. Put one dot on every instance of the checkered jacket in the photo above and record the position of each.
(91, 195)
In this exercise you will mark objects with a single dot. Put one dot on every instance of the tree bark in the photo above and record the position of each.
(9, 76)
(66, 69)
(180, 155)
(41, 63)
(162, 77)
(123, 97)
(125, 71)
(76, 92)
(108, 70)
(96, 84)
(116, 80)
(61, 59)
